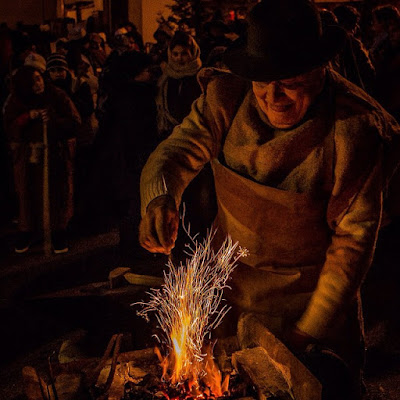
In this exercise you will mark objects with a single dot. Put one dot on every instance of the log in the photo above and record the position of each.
(34, 386)
(122, 275)
(223, 350)
(252, 333)
(71, 349)
(96, 289)
(143, 280)
(116, 277)
(69, 387)
(271, 379)
(139, 356)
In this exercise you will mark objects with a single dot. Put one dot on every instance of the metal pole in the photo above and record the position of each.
(46, 197)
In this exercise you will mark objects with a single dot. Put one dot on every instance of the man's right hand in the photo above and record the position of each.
(158, 229)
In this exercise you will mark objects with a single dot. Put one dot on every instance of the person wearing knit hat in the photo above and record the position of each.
(57, 66)
(78, 32)
(36, 61)
(76, 88)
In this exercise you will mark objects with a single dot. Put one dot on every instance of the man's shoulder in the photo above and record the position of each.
(352, 99)
(358, 113)
(221, 81)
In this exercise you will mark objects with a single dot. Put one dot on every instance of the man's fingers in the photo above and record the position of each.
(149, 237)
(173, 226)
(162, 230)
(159, 227)
(152, 247)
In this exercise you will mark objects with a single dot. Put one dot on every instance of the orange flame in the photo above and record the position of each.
(201, 379)
(187, 309)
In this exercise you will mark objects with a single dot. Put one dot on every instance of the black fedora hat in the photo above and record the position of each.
(284, 39)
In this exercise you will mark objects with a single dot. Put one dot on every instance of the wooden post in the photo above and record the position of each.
(46, 196)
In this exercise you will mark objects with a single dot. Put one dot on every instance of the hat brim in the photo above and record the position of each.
(264, 69)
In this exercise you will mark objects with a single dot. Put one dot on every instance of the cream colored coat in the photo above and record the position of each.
(341, 152)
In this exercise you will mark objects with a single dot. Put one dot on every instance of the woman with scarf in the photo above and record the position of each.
(178, 88)
(31, 104)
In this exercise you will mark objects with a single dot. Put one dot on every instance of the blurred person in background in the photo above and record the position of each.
(132, 29)
(127, 135)
(97, 52)
(385, 20)
(32, 103)
(214, 36)
(386, 57)
(354, 62)
(78, 89)
(178, 86)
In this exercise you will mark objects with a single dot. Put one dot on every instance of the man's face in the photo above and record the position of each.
(285, 102)
(180, 55)
(57, 73)
(38, 83)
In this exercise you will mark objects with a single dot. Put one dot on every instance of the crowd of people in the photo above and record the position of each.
(108, 101)
(291, 129)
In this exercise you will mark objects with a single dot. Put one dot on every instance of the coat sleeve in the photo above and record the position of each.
(354, 214)
(179, 158)
(15, 119)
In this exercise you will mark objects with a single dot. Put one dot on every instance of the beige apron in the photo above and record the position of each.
(287, 237)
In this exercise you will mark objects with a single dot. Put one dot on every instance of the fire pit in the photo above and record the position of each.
(185, 364)
(256, 363)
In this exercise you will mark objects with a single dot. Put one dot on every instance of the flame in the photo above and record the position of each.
(187, 308)
(213, 376)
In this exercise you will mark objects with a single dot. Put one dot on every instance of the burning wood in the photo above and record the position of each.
(187, 309)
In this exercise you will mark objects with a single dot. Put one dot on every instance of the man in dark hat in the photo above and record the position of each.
(214, 36)
(300, 158)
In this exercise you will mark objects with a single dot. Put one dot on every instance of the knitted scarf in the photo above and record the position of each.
(165, 121)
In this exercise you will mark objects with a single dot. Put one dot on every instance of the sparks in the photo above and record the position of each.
(187, 307)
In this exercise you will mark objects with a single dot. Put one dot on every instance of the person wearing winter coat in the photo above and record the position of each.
(31, 104)
(301, 158)
(77, 88)
(178, 86)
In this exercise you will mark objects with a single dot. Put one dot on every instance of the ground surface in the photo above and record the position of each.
(33, 327)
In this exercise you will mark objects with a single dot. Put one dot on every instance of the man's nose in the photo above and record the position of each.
(274, 92)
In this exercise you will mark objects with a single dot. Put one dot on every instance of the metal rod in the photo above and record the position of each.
(46, 196)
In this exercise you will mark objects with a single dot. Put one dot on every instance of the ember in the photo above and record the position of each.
(187, 309)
